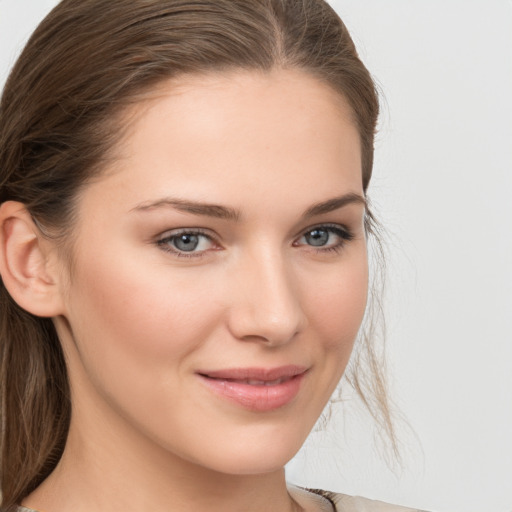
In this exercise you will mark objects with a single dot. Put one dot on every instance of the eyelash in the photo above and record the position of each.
(165, 243)
(344, 234)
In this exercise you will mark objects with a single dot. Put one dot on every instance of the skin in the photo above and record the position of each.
(138, 321)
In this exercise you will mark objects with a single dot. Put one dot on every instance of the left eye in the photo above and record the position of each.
(325, 237)
(186, 242)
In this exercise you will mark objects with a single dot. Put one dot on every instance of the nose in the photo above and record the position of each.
(266, 303)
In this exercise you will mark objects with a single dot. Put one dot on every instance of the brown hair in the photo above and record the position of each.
(59, 116)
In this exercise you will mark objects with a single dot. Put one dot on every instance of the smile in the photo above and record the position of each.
(256, 389)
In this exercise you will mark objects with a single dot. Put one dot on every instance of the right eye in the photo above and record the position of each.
(186, 243)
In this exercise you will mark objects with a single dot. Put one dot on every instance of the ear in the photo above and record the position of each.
(28, 262)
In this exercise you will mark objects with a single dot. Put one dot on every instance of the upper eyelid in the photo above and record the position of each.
(169, 233)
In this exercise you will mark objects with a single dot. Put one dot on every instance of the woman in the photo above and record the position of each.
(171, 327)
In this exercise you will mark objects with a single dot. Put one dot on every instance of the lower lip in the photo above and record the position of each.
(256, 398)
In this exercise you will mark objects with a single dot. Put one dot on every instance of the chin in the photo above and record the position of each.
(252, 454)
(246, 465)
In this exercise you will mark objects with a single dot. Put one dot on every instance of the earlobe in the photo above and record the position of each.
(27, 263)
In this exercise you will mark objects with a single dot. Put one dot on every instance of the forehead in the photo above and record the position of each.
(202, 133)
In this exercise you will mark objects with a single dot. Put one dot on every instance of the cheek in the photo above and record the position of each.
(338, 306)
(136, 329)
(336, 310)
(138, 316)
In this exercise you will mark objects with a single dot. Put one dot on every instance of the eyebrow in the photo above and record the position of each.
(334, 204)
(193, 207)
(227, 213)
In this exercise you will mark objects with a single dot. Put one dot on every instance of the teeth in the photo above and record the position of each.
(274, 382)
(253, 382)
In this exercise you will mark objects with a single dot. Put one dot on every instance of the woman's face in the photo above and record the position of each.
(219, 272)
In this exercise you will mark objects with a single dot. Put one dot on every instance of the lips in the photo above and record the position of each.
(256, 389)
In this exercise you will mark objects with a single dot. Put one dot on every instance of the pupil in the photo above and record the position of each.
(186, 242)
(317, 237)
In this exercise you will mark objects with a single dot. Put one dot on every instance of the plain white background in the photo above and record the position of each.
(442, 187)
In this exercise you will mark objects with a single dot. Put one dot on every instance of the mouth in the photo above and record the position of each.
(256, 389)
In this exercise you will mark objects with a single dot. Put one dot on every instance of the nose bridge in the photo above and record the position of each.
(267, 305)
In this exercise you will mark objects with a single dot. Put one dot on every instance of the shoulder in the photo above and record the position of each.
(345, 503)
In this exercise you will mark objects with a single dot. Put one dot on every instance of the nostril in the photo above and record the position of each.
(255, 326)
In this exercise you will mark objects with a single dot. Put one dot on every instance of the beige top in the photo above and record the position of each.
(322, 501)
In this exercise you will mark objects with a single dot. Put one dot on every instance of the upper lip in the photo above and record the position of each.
(260, 374)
